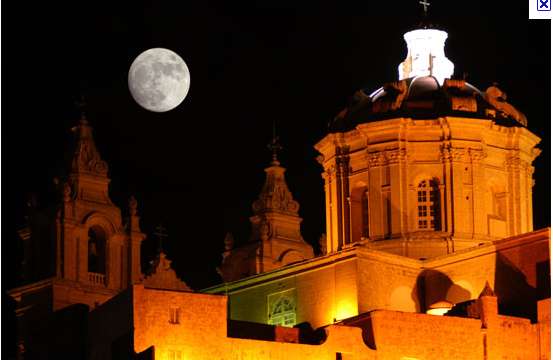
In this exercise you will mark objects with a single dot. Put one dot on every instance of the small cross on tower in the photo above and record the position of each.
(274, 146)
(425, 4)
(161, 234)
(81, 105)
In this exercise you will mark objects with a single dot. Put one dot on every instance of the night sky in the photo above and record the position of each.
(198, 168)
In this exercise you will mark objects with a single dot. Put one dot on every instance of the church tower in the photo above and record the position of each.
(276, 238)
(428, 164)
(95, 251)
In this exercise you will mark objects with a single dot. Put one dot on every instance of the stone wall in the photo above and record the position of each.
(322, 295)
(201, 333)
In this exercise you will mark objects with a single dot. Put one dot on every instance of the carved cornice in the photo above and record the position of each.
(396, 155)
(477, 154)
(445, 153)
(377, 159)
(513, 160)
(458, 154)
(454, 154)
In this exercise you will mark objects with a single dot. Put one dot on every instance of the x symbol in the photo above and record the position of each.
(543, 4)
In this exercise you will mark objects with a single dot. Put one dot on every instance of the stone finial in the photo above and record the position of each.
(487, 291)
(86, 158)
(81, 105)
(274, 146)
(498, 99)
(133, 204)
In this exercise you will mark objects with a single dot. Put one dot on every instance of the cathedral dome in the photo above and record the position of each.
(426, 89)
(424, 97)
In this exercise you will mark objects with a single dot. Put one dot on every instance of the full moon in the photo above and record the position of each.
(159, 80)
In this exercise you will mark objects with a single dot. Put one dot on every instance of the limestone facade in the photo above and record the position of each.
(382, 334)
(360, 279)
(427, 187)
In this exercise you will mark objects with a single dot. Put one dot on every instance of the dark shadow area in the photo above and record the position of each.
(433, 286)
(9, 325)
(364, 322)
(61, 335)
(148, 354)
(543, 280)
(302, 333)
(250, 330)
(516, 297)
(308, 335)
(462, 310)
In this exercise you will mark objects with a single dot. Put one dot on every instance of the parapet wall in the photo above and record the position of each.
(199, 331)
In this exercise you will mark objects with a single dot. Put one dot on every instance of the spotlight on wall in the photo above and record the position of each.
(439, 308)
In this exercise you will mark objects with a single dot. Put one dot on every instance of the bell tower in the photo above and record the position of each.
(96, 252)
(95, 249)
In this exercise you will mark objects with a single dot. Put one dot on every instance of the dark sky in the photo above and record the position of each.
(198, 168)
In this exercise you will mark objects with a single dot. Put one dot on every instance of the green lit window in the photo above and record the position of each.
(282, 308)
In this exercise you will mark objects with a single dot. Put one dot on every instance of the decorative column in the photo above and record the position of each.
(446, 158)
(342, 163)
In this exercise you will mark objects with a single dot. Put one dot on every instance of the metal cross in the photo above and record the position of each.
(275, 146)
(425, 6)
(81, 105)
(161, 233)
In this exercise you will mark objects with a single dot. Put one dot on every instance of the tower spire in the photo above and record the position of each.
(86, 158)
(81, 105)
(274, 146)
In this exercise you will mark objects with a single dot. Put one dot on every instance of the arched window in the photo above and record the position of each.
(96, 250)
(282, 308)
(428, 206)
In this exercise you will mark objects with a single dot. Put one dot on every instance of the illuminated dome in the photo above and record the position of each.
(423, 97)
(426, 89)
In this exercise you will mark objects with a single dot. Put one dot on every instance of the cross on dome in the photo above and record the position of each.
(425, 4)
